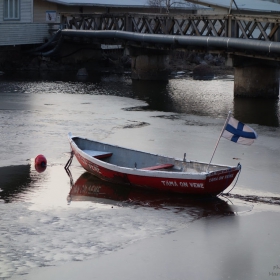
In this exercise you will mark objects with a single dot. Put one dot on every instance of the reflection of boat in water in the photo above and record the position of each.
(90, 188)
(150, 171)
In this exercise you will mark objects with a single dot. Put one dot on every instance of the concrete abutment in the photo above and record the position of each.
(255, 78)
(256, 81)
(149, 64)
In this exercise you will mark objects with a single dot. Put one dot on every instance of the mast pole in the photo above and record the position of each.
(225, 124)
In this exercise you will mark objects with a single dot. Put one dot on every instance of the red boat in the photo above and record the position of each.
(150, 171)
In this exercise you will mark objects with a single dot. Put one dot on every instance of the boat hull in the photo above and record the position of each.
(211, 183)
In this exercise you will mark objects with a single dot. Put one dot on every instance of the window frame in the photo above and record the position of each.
(15, 10)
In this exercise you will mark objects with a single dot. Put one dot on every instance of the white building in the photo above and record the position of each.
(29, 21)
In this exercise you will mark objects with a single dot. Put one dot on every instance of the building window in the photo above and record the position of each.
(11, 9)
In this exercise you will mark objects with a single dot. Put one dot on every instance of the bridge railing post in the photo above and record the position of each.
(165, 24)
(170, 26)
(128, 23)
(98, 23)
(229, 26)
(276, 36)
(234, 29)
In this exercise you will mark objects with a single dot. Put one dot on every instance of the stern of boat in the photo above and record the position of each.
(217, 182)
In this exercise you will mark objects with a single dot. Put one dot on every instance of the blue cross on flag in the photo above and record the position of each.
(238, 132)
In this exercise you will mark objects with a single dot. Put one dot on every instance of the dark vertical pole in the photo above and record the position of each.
(128, 23)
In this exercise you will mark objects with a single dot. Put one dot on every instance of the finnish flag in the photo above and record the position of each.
(238, 132)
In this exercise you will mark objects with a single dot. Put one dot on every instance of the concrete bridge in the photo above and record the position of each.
(250, 43)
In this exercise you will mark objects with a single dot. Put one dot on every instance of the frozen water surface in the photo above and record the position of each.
(41, 225)
(40, 228)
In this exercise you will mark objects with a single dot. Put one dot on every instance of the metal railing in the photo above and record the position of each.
(232, 26)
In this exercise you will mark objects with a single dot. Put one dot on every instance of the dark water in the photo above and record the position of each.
(14, 181)
(180, 95)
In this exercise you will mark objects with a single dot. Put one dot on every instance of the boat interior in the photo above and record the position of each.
(129, 158)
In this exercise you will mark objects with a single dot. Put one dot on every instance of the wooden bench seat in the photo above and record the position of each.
(161, 166)
(98, 154)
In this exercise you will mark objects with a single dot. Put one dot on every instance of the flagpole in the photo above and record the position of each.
(225, 124)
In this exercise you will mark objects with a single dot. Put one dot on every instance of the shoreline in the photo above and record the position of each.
(110, 63)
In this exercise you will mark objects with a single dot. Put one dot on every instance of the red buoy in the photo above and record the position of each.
(40, 160)
(40, 163)
(40, 168)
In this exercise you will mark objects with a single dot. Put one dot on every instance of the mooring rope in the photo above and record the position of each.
(239, 165)
(67, 165)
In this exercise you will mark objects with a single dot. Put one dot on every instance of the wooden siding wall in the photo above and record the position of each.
(40, 8)
(210, 11)
(97, 9)
(23, 34)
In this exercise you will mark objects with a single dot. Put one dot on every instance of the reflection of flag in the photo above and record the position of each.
(238, 132)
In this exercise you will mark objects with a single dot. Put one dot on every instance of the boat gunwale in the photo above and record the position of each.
(151, 173)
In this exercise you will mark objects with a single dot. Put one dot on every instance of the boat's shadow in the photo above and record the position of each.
(90, 188)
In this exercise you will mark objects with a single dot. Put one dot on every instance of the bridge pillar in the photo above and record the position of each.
(255, 78)
(149, 64)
